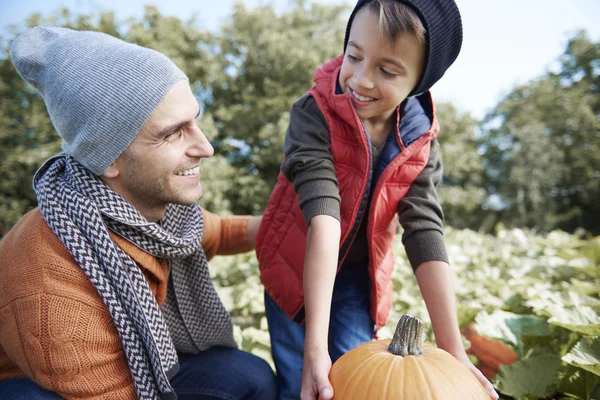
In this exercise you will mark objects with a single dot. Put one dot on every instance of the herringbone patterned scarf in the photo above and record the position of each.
(80, 209)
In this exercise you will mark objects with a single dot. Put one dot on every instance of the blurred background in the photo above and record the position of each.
(519, 109)
(520, 138)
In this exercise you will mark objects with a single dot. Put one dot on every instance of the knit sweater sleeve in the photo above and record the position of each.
(421, 215)
(55, 328)
(308, 161)
(224, 236)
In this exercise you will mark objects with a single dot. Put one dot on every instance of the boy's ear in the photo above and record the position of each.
(111, 172)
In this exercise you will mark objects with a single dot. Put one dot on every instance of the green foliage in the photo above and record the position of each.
(27, 136)
(266, 61)
(529, 378)
(462, 191)
(533, 161)
(538, 294)
(543, 145)
(586, 354)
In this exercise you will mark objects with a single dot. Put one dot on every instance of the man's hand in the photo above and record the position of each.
(315, 376)
(464, 359)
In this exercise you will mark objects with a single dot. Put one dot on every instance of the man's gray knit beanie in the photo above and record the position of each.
(99, 90)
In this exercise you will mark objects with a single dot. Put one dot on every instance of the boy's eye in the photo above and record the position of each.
(351, 57)
(387, 73)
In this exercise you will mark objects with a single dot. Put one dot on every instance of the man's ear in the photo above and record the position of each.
(111, 172)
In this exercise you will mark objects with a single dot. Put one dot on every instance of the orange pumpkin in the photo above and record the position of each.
(402, 369)
(489, 352)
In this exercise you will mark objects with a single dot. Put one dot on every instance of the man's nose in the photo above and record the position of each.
(200, 146)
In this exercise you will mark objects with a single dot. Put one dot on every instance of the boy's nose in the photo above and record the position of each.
(363, 79)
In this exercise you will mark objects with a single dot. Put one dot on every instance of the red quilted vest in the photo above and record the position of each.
(281, 240)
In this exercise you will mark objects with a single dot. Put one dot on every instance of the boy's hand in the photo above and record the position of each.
(482, 379)
(315, 376)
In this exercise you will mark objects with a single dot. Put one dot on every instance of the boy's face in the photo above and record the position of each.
(378, 72)
(162, 163)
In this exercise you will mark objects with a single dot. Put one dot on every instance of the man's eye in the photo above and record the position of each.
(174, 135)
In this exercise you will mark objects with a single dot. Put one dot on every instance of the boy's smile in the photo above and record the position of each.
(378, 72)
(359, 100)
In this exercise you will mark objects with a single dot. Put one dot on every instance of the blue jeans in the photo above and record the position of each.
(350, 325)
(215, 374)
(224, 374)
(25, 389)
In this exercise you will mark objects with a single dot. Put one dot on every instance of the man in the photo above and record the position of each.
(104, 289)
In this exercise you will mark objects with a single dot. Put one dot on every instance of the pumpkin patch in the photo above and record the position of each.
(539, 295)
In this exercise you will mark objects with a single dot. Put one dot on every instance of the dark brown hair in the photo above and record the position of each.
(396, 18)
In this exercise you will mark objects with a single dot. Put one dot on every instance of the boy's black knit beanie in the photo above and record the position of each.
(443, 36)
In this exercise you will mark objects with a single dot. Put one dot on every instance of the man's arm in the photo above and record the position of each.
(228, 235)
(68, 346)
(55, 327)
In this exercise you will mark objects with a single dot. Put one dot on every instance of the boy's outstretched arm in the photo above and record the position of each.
(435, 280)
(319, 275)
(309, 165)
(421, 216)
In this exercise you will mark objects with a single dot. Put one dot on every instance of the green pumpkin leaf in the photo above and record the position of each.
(535, 376)
(563, 299)
(586, 355)
(510, 327)
(584, 320)
(580, 384)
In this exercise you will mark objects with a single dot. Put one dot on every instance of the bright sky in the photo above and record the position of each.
(505, 42)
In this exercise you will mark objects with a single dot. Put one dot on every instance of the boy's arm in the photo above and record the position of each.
(319, 274)
(308, 161)
(421, 215)
(228, 235)
(435, 281)
(308, 164)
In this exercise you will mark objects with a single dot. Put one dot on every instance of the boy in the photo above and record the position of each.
(359, 150)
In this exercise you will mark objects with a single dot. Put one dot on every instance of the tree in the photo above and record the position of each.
(246, 78)
(266, 61)
(543, 145)
(462, 191)
(27, 136)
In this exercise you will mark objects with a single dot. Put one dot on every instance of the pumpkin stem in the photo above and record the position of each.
(407, 338)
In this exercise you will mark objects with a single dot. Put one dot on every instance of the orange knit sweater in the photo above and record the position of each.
(54, 327)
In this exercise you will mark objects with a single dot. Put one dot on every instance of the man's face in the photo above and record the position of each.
(162, 163)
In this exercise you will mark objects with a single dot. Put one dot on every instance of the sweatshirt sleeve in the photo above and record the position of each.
(55, 327)
(73, 350)
(421, 215)
(308, 161)
(224, 236)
